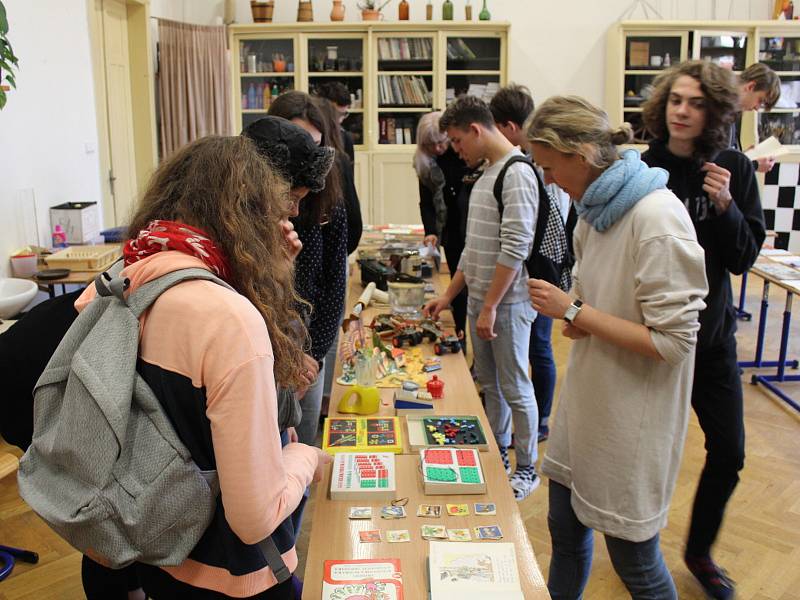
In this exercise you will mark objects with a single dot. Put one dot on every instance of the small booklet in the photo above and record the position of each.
(473, 571)
(367, 578)
(769, 147)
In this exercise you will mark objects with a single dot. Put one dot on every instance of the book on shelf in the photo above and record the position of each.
(401, 90)
(473, 571)
(396, 130)
(405, 49)
(365, 578)
(458, 49)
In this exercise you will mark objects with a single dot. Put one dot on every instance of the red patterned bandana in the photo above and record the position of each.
(171, 235)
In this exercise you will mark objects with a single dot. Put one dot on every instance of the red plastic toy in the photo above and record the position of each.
(435, 387)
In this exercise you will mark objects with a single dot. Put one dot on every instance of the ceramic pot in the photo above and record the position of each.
(337, 12)
(370, 15)
(305, 11)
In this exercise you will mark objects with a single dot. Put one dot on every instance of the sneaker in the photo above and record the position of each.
(544, 433)
(504, 458)
(712, 577)
(524, 481)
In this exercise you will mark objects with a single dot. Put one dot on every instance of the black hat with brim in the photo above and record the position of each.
(292, 151)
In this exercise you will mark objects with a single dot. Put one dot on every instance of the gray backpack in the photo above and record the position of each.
(105, 468)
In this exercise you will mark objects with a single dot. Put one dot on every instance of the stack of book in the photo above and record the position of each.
(404, 90)
(457, 49)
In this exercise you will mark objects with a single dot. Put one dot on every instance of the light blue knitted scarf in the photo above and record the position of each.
(617, 189)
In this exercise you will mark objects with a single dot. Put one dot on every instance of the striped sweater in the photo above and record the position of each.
(490, 242)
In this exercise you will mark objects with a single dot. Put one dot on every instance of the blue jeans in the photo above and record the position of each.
(543, 367)
(311, 404)
(501, 365)
(640, 565)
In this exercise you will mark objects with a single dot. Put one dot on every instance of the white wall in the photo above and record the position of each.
(556, 46)
(48, 128)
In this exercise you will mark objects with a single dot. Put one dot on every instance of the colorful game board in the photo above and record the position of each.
(452, 471)
(461, 431)
(362, 434)
(357, 476)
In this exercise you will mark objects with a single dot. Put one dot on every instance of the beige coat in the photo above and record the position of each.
(618, 435)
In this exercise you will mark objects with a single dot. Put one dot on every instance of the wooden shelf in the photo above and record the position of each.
(420, 73)
(255, 111)
(486, 73)
(268, 74)
(781, 110)
(644, 71)
(416, 109)
(335, 74)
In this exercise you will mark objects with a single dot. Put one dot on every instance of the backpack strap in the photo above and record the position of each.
(498, 183)
(543, 210)
(273, 557)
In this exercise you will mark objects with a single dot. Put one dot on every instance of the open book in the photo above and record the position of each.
(473, 571)
(369, 578)
(769, 147)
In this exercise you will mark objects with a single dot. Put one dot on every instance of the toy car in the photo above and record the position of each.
(412, 335)
(430, 330)
(383, 323)
(447, 343)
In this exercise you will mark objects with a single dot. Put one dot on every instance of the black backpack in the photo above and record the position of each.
(550, 258)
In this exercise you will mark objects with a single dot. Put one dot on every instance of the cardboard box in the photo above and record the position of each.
(639, 54)
(80, 220)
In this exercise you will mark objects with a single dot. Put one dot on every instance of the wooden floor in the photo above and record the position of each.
(759, 544)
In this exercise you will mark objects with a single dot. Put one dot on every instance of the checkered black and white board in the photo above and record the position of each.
(781, 202)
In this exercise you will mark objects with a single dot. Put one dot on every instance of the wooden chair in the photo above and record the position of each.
(8, 465)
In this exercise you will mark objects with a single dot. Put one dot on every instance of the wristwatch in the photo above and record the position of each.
(573, 311)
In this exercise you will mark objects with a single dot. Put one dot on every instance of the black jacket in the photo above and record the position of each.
(454, 170)
(25, 350)
(352, 204)
(731, 240)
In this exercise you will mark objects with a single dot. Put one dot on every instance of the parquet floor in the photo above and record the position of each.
(759, 544)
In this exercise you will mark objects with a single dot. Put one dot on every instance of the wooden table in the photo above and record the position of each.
(791, 286)
(334, 536)
(82, 278)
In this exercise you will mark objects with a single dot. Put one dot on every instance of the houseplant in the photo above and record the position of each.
(8, 60)
(371, 9)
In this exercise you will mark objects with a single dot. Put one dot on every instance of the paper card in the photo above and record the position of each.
(393, 512)
(360, 512)
(459, 535)
(369, 536)
(394, 536)
(489, 508)
(434, 532)
(488, 532)
(458, 510)
(430, 511)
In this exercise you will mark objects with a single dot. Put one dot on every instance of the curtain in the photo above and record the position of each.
(194, 93)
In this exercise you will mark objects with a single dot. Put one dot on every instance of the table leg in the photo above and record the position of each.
(782, 363)
(741, 313)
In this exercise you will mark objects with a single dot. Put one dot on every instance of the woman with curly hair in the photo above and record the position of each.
(690, 114)
(638, 286)
(212, 356)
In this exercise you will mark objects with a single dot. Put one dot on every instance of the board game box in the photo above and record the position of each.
(457, 431)
(362, 434)
(363, 476)
(452, 471)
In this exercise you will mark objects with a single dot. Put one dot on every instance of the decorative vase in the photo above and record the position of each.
(305, 11)
(403, 10)
(447, 10)
(369, 14)
(429, 10)
(468, 10)
(262, 11)
(337, 12)
(485, 14)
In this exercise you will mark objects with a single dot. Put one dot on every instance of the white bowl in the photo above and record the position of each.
(15, 294)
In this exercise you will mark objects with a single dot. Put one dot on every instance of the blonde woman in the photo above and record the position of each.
(639, 283)
(442, 205)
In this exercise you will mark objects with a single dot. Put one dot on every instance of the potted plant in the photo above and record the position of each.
(371, 9)
(8, 60)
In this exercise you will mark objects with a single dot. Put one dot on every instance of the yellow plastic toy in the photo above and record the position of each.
(360, 400)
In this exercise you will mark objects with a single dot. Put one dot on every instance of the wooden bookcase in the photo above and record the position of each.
(388, 67)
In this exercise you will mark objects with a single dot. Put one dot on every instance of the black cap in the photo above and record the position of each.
(292, 151)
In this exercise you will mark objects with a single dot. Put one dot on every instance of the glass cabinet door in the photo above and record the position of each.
(782, 55)
(473, 67)
(266, 69)
(726, 49)
(404, 88)
(645, 57)
(340, 59)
